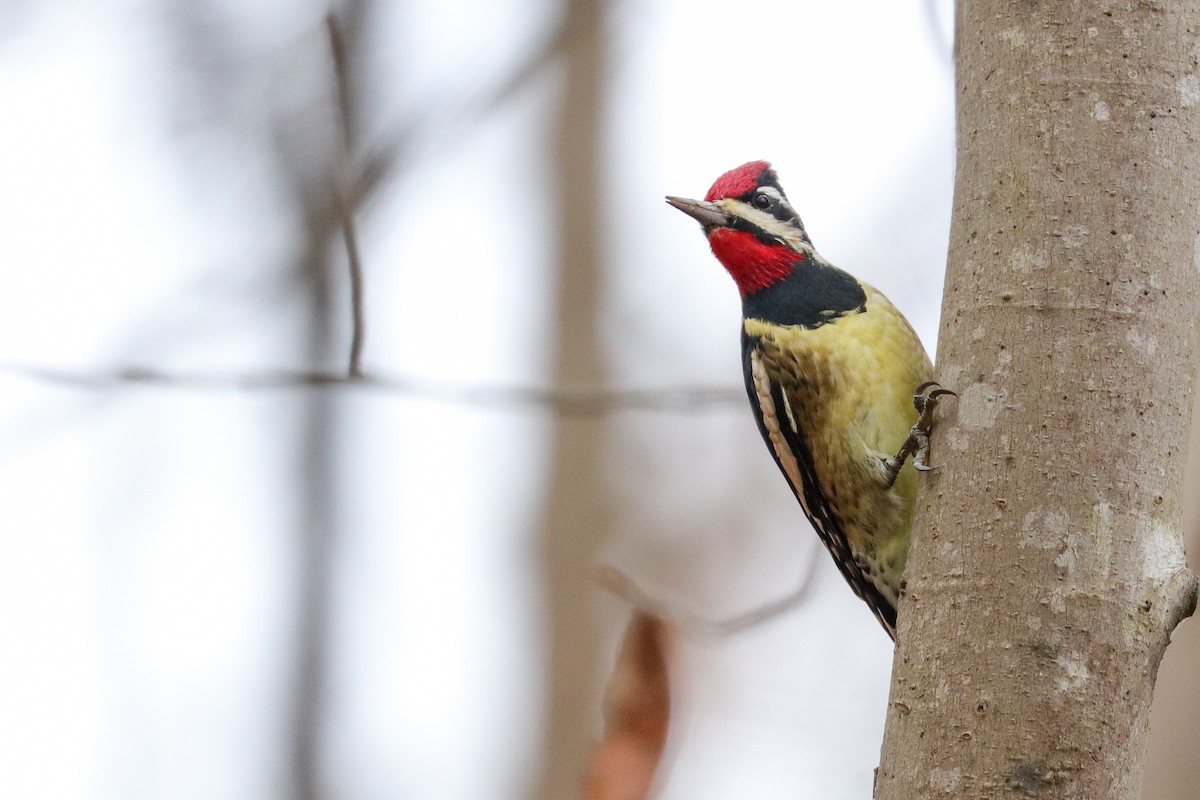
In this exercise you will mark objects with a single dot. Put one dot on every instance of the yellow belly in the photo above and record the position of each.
(849, 386)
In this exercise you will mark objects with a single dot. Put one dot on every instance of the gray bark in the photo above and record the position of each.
(1047, 570)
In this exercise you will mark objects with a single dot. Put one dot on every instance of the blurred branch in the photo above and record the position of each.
(441, 123)
(943, 39)
(346, 126)
(582, 401)
(356, 179)
(628, 589)
(213, 61)
(321, 207)
(357, 316)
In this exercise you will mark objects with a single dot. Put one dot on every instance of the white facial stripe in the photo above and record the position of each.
(786, 231)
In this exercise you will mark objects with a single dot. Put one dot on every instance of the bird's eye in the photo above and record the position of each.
(761, 200)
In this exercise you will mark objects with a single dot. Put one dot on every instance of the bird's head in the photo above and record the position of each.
(752, 228)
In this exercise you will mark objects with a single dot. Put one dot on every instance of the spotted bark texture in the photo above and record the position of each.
(1047, 569)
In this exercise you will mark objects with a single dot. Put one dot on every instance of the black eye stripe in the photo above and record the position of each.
(749, 227)
(784, 213)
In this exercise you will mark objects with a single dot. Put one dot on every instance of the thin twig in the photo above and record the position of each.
(943, 40)
(581, 401)
(341, 75)
(354, 262)
(624, 586)
(438, 124)
(346, 210)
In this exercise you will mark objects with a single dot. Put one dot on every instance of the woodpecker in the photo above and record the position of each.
(831, 367)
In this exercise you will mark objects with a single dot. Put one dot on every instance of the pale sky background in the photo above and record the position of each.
(146, 557)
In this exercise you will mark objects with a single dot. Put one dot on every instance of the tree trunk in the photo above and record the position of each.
(577, 517)
(1172, 770)
(1047, 570)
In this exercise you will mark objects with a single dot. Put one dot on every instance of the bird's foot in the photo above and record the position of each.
(925, 400)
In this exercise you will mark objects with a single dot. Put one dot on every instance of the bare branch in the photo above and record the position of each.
(627, 588)
(583, 401)
(442, 123)
(346, 210)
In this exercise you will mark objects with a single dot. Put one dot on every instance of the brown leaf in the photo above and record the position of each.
(637, 709)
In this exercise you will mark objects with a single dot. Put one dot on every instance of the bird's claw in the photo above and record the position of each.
(917, 443)
(925, 402)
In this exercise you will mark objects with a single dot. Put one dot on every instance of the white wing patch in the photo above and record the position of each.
(779, 445)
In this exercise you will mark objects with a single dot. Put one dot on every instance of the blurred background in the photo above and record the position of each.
(342, 346)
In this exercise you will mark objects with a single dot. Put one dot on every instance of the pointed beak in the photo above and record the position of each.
(706, 214)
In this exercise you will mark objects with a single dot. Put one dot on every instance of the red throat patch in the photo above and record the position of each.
(738, 181)
(753, 263)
